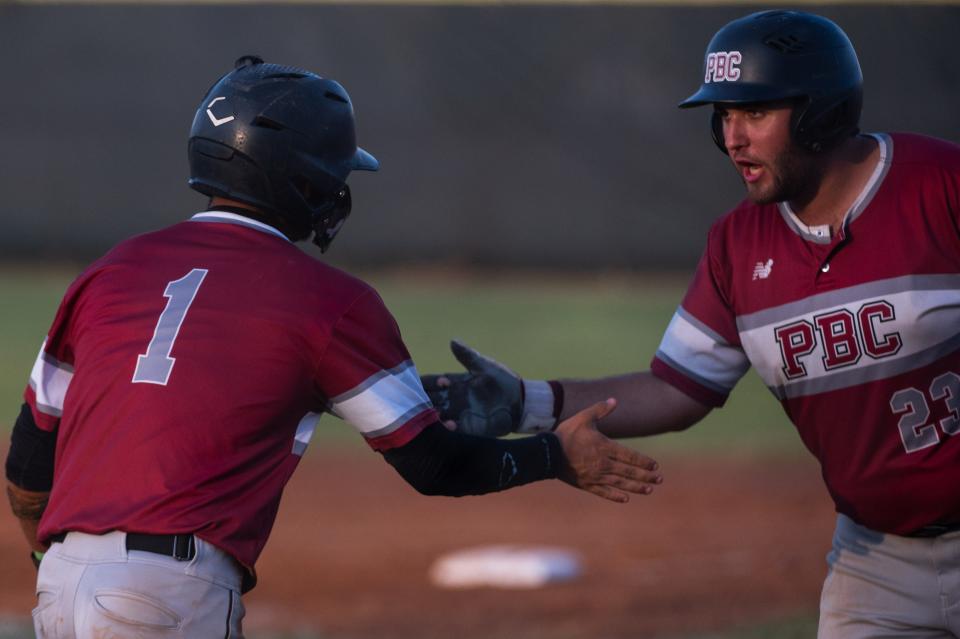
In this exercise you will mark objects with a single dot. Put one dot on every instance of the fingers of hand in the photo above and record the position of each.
(476, 362)
(443, 381)
(609, 493)
(470, 358)
(434, 382)
(620, 467)
(604, 473)
(631, 457)
(642, 486)
(626, 477)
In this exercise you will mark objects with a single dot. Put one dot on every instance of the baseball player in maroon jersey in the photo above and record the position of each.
(838, 279)
(186, 370)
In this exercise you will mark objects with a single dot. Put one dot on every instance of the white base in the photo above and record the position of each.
(504, 567)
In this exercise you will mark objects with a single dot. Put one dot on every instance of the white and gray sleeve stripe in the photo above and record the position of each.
(383, 402)
(50, 380)
(700, 353)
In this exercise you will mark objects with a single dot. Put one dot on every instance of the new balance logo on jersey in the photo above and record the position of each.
(844, 338)
(762, 270)
(722, 66)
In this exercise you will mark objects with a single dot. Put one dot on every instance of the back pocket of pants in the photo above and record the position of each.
(46, 622)
(135, 609)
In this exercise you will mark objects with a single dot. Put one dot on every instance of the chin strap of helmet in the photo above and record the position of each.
(328, 219)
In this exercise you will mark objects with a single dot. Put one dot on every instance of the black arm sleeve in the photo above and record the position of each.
(30, 459)
(443, 462)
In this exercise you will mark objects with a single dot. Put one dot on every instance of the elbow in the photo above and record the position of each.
(687, 418)
(681, 425)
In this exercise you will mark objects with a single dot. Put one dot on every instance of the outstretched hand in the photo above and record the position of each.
(486, 400)
(599, 465)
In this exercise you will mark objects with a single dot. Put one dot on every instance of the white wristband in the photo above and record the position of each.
(537, 407)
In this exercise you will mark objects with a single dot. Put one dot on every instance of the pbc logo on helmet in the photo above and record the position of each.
(722, 66)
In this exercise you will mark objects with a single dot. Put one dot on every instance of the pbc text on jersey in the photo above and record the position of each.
(845, 337)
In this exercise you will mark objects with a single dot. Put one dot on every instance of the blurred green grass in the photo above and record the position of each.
(541, 326)
(30, 298)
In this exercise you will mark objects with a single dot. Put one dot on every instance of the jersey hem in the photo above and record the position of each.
(685, 385)
(405, 433)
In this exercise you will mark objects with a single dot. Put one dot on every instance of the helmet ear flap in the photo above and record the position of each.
(716, 131)
(328, 204)
(824, 128)
(330, 218)
(803, 127)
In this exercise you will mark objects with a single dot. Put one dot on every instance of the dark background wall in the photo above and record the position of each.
(512, 135)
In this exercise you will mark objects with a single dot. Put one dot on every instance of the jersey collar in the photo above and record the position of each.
(821, 234)
(224, 217)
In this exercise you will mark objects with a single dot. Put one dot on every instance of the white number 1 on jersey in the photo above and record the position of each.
(154, 366)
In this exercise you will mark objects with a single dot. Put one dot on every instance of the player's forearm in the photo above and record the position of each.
(29, 472)
(28, 506)
(646, 404)
(441, 462)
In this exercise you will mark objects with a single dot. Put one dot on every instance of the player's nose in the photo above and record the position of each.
(734, 133)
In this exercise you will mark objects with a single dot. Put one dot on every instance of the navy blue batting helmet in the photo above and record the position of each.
(777, 55)
(282, 140)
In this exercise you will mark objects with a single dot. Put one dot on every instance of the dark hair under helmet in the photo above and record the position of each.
(282, 140)
(785, 55)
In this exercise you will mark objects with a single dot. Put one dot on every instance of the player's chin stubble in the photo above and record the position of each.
(794, 176)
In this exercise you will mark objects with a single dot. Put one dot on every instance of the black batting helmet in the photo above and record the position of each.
(282, 140)
(785, 55)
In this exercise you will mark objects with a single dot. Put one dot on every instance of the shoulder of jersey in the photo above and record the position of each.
(915, 148)
(300, 260)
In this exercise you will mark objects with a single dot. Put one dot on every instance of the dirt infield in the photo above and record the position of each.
(724, 542)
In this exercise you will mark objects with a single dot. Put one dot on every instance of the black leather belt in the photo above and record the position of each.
(180, 547)
(934, 530)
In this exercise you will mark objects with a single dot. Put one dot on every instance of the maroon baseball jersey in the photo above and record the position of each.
(186, 371)
(858, 335)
